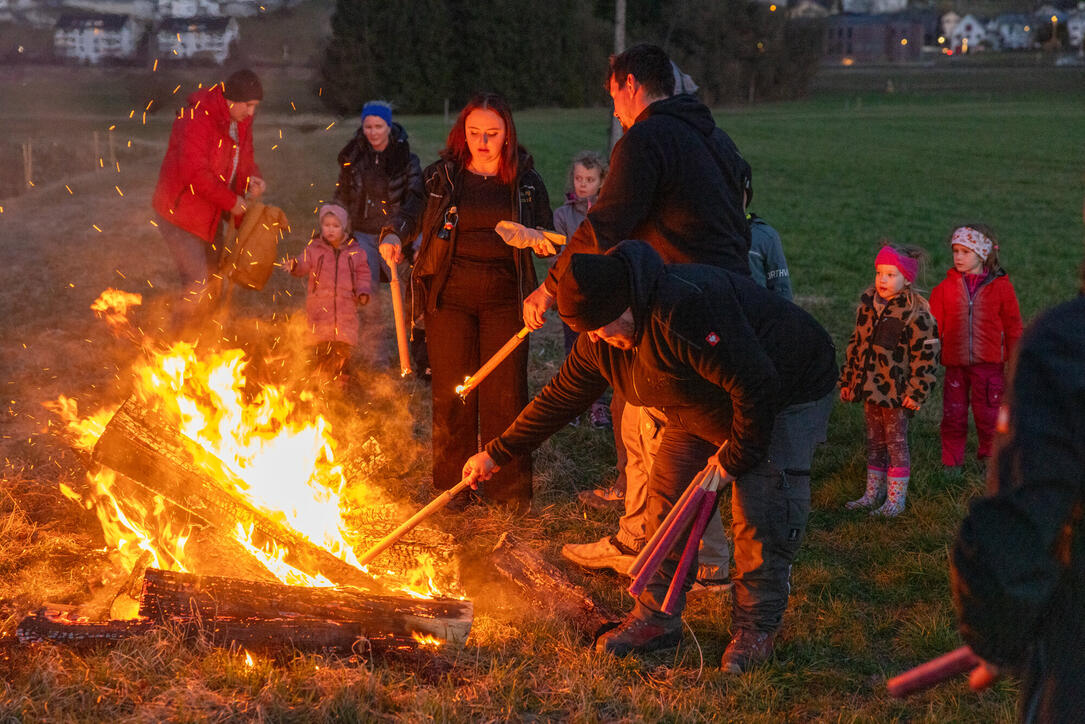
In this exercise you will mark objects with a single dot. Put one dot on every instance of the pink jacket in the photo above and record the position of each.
(338, 282)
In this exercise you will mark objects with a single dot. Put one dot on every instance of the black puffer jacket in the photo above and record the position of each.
(1018, 565)
(675, 181)
(529, 204)
(725, 353)
(381, 190)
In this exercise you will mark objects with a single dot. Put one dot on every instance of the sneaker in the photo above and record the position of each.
(636, 635)
(747, 649)
(599, 415)
(703, 586)
(602, 498)
(603, 553)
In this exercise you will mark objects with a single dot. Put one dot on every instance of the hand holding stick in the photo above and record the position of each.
(473, 381)
(411, 523)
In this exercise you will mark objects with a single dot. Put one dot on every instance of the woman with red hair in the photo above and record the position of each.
(471, 285)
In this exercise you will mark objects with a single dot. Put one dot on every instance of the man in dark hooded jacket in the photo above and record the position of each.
(743, 380)
(1018, 565)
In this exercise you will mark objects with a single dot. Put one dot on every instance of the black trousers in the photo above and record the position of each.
(478, 311)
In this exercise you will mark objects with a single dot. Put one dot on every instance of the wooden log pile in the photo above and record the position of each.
(262, 616)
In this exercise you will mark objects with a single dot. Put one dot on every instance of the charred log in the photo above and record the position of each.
(545, 585)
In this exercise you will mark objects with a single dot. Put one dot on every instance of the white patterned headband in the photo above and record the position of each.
(969, 238)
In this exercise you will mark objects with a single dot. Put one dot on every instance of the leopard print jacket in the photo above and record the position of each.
(894, 354)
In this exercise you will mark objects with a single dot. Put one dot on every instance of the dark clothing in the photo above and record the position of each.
(479, 312)
(768, 265)
(473, 305)
(381, 190)
(529, 204)
(674, 182)
(1018, 565)
(709, 342)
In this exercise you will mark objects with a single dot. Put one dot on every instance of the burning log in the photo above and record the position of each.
(547, 586)
(263, 616)
(170, 595)
(141, 446)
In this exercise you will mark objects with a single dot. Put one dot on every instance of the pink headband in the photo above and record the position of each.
(969, 238)
(889, 256)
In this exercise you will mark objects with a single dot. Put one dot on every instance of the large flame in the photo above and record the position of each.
(258, 440)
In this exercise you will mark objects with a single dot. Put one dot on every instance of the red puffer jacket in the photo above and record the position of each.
(983, 328)
(193, 186)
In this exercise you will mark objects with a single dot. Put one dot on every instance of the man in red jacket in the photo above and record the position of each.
(206, 177)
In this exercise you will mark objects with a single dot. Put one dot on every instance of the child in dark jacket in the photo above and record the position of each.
(889, 367)
(338, 282)
(980, 323)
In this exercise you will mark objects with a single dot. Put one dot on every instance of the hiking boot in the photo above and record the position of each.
(602, 498)
(603, 553)
(599, 415)
(747, 649)
(704, 586)
(637, 635)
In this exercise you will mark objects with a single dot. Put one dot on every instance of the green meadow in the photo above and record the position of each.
(836, 174)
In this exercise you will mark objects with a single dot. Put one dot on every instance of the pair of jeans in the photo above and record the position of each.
(981, 386)
(770, 505)
(477, 313)
(197, 265)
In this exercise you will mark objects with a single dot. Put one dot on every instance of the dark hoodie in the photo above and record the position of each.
(675, 182)
(381, 190)
(713, 349)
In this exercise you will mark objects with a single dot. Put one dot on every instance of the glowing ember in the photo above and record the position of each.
(426, 639)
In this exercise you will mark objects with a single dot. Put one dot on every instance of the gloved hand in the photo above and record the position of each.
(543, 243)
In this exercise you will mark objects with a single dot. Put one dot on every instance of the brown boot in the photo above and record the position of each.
(747, 649)
(637, 635)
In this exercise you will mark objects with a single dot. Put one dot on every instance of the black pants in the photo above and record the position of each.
(478, 311)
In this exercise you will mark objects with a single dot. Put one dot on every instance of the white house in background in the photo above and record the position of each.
(1010, 31)
(138, 9)
(807, 9)
(94, 38)
(873, 7)
(189, 8)
(1075, 27)
(200, 38)
(967, 35)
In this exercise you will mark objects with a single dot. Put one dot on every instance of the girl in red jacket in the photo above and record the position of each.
(980, 323)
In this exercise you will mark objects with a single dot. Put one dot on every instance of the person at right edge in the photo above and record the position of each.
(1017, 568)
(744, 380)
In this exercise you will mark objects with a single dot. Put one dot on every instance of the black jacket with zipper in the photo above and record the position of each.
(529, 204)
(727, 354)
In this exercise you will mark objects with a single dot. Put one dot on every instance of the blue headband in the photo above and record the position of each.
(378, 109)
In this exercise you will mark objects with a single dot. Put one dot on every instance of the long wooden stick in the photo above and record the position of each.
(653, 542)
(933, 672)
(491, 364)
(401, 322)
(432, 507)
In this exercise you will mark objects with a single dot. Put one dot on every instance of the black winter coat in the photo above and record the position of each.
(1018, 565)
(381, 190)
(727, 352)
(529, 204)
(675, 181)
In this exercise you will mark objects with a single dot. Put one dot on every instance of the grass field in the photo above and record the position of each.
(834, 174)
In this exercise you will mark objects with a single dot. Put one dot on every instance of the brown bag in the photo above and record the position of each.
(249, 260)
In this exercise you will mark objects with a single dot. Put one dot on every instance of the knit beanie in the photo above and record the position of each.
(338, 212)
(593, 292)
(891, 257)
(969, 238)
(243, 86)
(380, 109)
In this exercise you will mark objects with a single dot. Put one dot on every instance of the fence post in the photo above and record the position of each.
(97, 153)
(28, 163)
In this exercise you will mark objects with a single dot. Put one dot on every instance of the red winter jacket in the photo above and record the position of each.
(984, 328)
(193, 185)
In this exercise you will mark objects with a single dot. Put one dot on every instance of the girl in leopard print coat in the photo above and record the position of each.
(890, 366)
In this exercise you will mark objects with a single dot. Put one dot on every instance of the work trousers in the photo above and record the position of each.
(887, 438)
(642, 432)
(979, 385)
(478, 311)
(770, 505)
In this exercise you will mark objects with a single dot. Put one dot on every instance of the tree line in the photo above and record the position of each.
(418, 53)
